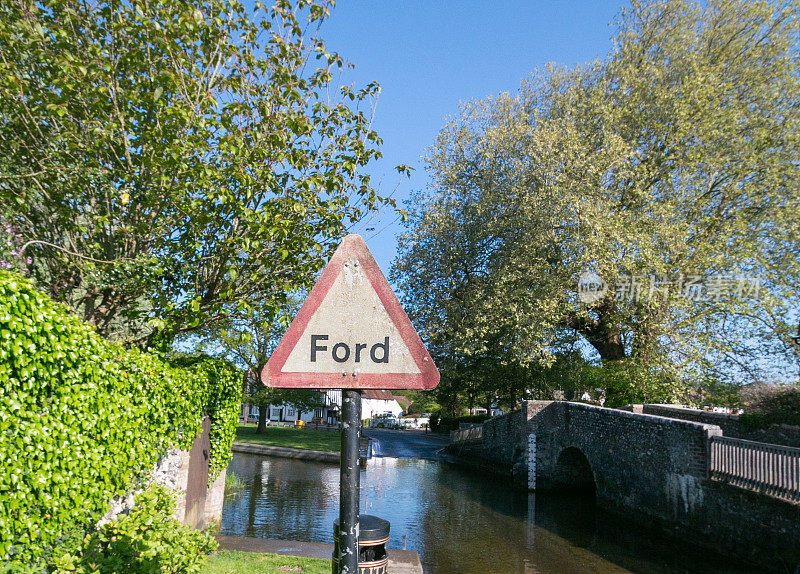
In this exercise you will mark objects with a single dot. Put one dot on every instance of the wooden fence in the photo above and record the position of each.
(767, 468)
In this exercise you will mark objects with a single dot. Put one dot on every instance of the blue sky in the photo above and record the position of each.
(429, 55)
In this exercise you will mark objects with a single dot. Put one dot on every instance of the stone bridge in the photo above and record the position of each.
(653, 468)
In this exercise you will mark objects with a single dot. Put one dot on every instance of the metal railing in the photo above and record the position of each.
(472, 433)
(767, 468)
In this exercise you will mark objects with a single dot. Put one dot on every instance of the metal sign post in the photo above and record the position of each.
(351, 333)
(349, 479)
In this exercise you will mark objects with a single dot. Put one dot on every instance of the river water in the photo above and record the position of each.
(458, 521)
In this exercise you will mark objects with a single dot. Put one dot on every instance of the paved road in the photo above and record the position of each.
(406, 443)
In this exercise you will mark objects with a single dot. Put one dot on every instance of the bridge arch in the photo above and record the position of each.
(573, 472)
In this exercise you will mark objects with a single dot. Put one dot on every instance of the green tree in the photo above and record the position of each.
(249, 342)
(421, 402)
(171, 163)
(674, 159)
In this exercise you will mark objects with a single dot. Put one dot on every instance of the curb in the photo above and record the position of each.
(286, 452)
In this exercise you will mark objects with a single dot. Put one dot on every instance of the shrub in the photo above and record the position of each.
(148, 540)
(766, 405)
(83, 420)
(753, 421)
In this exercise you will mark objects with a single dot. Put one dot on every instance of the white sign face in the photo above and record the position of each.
(342, 337)
(351, 333)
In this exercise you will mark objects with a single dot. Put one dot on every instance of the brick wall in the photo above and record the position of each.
(172, 471)
(752, 526)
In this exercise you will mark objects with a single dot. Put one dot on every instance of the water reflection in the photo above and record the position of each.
(458, 521)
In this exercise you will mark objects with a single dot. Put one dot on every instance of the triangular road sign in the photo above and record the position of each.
(351, 333)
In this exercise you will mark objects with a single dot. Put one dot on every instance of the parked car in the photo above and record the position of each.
(384, 421)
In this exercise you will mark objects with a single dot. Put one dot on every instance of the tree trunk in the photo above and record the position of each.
(262, 419)
(605, 335)
(607, 339)
(610, 347)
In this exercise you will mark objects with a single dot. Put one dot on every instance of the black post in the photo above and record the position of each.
(349, 482)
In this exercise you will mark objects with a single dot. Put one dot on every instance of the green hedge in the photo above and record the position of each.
(83, 419)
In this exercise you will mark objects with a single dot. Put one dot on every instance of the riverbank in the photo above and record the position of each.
(289, 437)
(285, 452)
(400, 561)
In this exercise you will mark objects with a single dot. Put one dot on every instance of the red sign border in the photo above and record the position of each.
(427, 378)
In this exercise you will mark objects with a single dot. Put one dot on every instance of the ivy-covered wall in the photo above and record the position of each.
(83, 420)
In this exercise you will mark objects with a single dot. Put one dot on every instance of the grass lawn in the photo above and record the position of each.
(233, 562)
(308, 439)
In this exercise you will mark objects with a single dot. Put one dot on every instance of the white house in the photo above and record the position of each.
(329, 413)
(372, 403)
